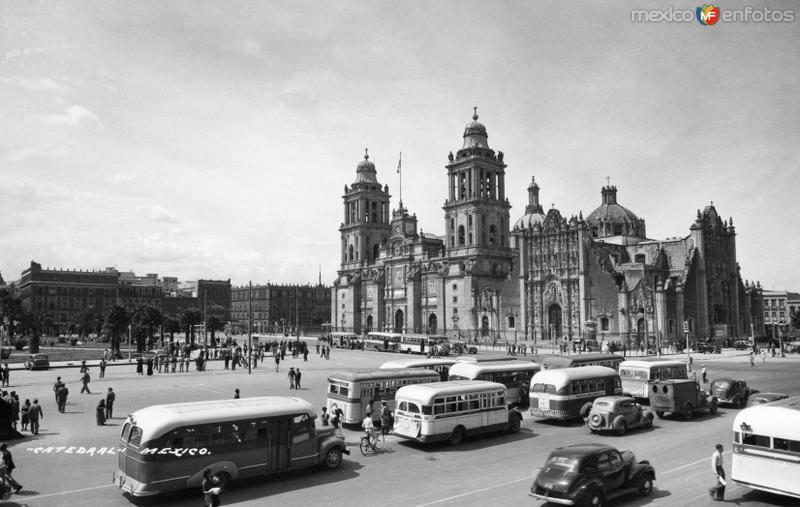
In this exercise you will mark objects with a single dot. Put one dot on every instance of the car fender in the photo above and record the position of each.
(640, 469)
(589, 484)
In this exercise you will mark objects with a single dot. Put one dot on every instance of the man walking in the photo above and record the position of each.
(297, 377)
(34, 414)
(703, 371)
(85, 381)
(110, 397)
(277, 357)
(61, 398)
(292, 377)
(6, 374)
(9, 466)
(718, 491)
(102, 368)
(56, 386)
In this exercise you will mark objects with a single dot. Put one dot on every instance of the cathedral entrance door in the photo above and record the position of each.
(484, 326)
(369, 323)
(398, 321)
(554, 321)
(432, 324)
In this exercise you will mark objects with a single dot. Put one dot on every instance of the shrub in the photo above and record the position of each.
(73, 341)
(20, 343)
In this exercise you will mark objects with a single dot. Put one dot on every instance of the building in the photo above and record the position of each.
(779, 305)
(550, 277)
(603, 277)
(394, 277)
(277, 308)
(214, 299)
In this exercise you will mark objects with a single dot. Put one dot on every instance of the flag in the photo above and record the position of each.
(400, 162)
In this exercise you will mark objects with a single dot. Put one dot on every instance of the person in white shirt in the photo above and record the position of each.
(718, 492)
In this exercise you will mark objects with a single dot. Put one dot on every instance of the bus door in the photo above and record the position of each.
(278, 440)
(367, 397)
(304, 448)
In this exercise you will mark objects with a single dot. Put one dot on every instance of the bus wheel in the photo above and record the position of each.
(457, 436)
(687, 411)
(333, 458)
(223, 479)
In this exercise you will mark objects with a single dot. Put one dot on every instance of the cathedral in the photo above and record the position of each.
(542, 277)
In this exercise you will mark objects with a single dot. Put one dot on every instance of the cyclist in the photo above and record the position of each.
(368, 427)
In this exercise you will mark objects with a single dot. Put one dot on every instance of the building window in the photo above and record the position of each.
(455, 286)
(469, 220)
(640, 258)
(470, 238)
(492, 232)
(461, 235)
(604, 324)
(511, 322)
(455, 299)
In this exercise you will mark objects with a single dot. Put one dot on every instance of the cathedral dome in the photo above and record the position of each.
(475, 135)
(365, 171)
(611, 219)
(534, 214)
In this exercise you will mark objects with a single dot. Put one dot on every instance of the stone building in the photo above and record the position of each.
(279, 308)
(395, 277)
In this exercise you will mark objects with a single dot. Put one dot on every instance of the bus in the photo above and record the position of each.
(356, 391)
(440, 365)
(343, 340)
(420, 343)
(515, 375)
(766, 447)
(567, 393)
(382, 342)
(491, 358)
(637, 374)
(452, 410)
(167, 447)
(555, 361)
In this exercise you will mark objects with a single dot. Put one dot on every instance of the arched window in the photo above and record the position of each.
(604, 324)
(452, 240)
(375, 251)
(469, 220)
(461, 236)
(350, 255)
(492, 232)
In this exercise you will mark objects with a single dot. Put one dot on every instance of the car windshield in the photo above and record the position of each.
(602, 404)
(561, 463)
(722, 384)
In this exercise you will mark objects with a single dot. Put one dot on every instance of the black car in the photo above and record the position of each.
(590, 474)
(708, 347)
(730, 391)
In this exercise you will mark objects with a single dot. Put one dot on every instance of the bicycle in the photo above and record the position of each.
(372, 443)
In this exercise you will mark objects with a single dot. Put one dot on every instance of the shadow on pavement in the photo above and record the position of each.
(471, 443)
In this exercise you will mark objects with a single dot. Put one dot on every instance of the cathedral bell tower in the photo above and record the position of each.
(366, 217)
(476, 209)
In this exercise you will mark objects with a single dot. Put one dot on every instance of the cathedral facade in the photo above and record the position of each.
(547, 277)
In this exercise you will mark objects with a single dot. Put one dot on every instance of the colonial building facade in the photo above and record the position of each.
(279, 308)
(549, 277)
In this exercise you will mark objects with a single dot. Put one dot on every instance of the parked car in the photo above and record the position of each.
(792, 347)
(761, 398)
(680, 396)
(619, 414)
(590, 474)
(708, 347)
(37, 362)
(460, 347)
(742, 345)
(730, 391)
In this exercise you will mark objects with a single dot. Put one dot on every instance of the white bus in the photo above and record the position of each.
(766, 447)
(167, 447)
(515, 375)
(343, 340)
(382, 342)
(569, 392)
(355, 391)
(420, 343)
(440, 365)
(452, 410)
(637, 374)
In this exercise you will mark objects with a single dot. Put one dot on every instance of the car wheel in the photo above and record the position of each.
(648, 421)
(595, 420)
(622, 428)
(594, 498)
(712, 407)
(687, 411)
(333, 458)
(645, 486)
(456, 436)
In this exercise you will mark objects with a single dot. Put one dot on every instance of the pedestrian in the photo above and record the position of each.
(236, 394)
(149, 367)
(8, 464)
(174, 362)
(24, 412)
(180, 366)
(83, 365)
(718, 491)
(277, 359)
(763, 358)
(752, 359)
(34, 414)
(305, 355)
(61, 398)
(292, 377)
(317, 348)
(703, 372)
(297, 378)
(56, 386)
(139, 366)
(85, 381)
(211, 489)
(111, 396)
(14, 409)
(100, 413)
(6, 375)
(102, 368)
(386, 418)
(227, 360)
(325, 416)
(336, 417)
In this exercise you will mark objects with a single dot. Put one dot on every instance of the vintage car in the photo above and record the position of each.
(680, 396)
(617, 413)
(730, 391)
(761, 398)
(710, 347)
(590, 474)
(742, 345)
(460, 347)
(37, 362)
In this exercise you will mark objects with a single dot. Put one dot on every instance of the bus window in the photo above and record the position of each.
(784, 444)
(136, 437)
(757, 440)
(301, 430)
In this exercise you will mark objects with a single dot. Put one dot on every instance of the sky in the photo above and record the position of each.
(213, 139)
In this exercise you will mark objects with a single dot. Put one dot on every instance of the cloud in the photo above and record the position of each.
(156, 213)
(36, 84)
(122, 178)
(21, 154)
(74, 116)
(20, 52)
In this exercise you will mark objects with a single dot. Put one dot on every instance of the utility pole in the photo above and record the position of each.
(205, 316)
(296, 315)
(250, 328)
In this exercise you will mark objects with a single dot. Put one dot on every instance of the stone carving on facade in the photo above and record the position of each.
(552, 293)
(487, 300)
(413, 273)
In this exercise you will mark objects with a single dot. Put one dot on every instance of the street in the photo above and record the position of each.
(496, 469)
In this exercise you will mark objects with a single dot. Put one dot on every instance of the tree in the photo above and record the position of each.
(34, 322)
(213, 324)
(86, 321)
(189, 318)
(171, 325)
(10, 312)
(795, 319)
(147, 318)
(116, 323)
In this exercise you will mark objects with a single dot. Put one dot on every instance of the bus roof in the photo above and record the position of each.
(777, 419)
(417, 363)
(561, 375)
(344, 333)
(557, 359)
(158, 419)
(426, 393)
(492, 358)
(641, 363)
(382, 374)
(468, 369)
(381, 334)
